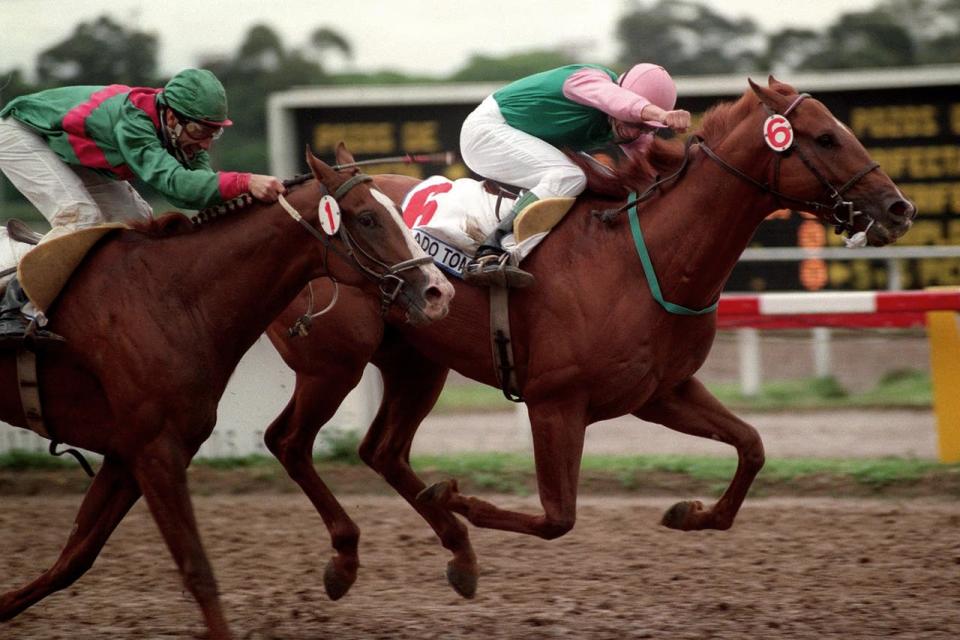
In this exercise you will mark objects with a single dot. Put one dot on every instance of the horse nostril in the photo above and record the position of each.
(432, 294)
(902, 210)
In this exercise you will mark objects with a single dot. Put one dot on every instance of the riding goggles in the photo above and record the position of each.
(198, 131)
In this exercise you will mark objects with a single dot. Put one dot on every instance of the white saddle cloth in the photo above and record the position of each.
(450, 218)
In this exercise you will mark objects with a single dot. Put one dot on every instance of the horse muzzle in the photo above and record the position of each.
(892, 222)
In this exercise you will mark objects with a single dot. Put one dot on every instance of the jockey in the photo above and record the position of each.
(72, 150)
(516, 134)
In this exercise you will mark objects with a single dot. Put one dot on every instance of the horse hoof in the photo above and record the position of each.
(438, 493)
(678, 516)
(337, 580)
(463, 581)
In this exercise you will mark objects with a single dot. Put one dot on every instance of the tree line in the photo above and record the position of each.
(685, 36)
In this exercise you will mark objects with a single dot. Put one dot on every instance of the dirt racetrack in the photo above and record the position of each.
(790, 568)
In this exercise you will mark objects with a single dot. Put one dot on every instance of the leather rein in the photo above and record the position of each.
(386, 276)
(843, 212)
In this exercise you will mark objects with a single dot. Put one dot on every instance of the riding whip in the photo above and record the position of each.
(446, 158)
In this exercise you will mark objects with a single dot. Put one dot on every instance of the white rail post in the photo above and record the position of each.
(749, 341)
(822, 364)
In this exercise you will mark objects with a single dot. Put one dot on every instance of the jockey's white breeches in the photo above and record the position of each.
(495, 150)
(66, 195)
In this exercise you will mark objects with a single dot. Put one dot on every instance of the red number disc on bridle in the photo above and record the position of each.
(777, 133)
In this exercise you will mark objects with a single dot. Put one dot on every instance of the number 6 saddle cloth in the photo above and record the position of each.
(450, 218)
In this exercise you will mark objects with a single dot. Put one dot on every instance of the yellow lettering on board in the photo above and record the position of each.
(360, 137)
(908, 121)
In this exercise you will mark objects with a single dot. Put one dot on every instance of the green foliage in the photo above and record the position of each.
(509, 68)
(688, 38)
(101, 52)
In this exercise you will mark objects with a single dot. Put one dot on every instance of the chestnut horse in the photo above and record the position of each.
(156, 320)
(597, 337)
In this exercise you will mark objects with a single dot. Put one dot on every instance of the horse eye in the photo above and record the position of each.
(367, 220)
(827, 141)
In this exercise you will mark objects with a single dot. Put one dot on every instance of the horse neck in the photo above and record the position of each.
(696, 232)
(251, 265)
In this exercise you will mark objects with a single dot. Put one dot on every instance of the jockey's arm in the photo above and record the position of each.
(594, 88)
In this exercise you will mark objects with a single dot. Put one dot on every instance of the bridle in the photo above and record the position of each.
(386, 276)
(842, 213)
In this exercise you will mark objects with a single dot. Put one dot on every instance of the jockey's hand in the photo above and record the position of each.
(678, 119)
(265, 188)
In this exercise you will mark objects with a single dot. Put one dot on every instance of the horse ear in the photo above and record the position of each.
(343, 155)
(768, 97)
(317, 166)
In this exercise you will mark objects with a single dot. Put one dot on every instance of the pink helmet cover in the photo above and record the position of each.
(652, 82)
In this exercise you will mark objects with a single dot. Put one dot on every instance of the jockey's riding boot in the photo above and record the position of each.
(489, 266)
(15, 332)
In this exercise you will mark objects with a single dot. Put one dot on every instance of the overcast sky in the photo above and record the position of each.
(433, 37)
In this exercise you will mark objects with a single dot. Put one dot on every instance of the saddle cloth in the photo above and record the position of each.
(450, 218)
(44, 270)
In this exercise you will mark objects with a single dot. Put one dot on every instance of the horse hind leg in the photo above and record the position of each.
(558, 434)
(290, 437)
(692, 409)
(107, 501)
(161, 471)
(411, 387)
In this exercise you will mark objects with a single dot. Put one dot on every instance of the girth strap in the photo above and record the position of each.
(501, 343)
(30, 391)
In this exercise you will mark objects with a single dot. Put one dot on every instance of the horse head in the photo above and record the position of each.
(820, 167)
(379, 245)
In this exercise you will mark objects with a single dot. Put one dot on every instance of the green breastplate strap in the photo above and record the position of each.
(652, 281)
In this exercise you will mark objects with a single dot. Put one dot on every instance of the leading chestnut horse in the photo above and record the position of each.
(598, 336)
(156, 321)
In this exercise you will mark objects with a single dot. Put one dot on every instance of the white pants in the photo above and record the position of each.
(67, 196)
(495, 150)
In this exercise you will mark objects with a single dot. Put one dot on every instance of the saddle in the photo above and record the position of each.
(45, 269)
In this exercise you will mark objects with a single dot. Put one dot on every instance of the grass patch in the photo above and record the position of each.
(20, 460)
(513, 473)
(897, 389)
(902, 388)
(473, 396)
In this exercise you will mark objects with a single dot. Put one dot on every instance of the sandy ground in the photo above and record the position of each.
(790, 568)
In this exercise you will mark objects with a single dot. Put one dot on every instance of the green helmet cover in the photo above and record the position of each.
(198, 95)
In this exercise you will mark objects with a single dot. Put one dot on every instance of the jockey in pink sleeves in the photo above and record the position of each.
(516, 135)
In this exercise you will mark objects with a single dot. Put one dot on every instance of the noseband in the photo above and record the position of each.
(842, 213)
(388, 281)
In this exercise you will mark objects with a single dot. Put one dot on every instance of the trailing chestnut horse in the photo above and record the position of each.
(157, 319)
(597, 337)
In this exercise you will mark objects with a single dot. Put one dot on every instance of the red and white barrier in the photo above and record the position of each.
(874, 309)
(937, 310)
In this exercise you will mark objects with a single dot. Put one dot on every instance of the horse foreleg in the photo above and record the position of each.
(411, 385)
(558, 433)
(161, 471)
(290, 438)
(692, 409)
(107, 501)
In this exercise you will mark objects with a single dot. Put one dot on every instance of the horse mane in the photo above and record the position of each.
(168, 224)
(174, 223)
